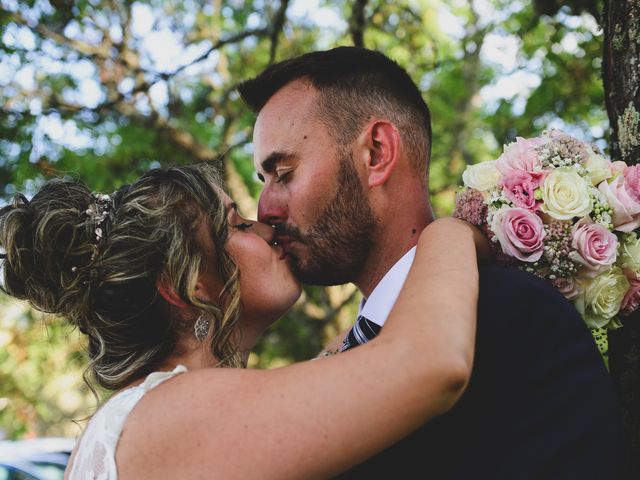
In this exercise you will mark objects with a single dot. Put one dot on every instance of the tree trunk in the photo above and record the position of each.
(621, 75)
(621, 72)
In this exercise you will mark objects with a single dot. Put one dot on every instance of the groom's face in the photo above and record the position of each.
(312, 192)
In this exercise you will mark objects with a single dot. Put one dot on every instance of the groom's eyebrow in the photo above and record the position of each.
(268, 165)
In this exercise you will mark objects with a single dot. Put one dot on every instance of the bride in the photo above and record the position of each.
(173, 288)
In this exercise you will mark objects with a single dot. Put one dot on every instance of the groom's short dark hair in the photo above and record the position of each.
(355, 84)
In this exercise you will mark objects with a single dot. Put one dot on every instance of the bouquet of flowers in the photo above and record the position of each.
(556, 207)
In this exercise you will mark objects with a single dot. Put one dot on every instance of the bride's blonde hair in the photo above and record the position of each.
(105, 282)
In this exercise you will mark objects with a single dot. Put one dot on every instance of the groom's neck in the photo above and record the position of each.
(393, 240)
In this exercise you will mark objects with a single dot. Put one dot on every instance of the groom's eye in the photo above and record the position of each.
(282, 174)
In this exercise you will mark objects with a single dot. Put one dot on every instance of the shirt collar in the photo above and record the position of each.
(377, 307)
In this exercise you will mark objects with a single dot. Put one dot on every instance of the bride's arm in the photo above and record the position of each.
(484, 255)
(317, 418)
(334, 345)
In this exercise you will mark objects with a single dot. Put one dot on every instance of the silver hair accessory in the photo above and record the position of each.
(201, 328)
(98, 211)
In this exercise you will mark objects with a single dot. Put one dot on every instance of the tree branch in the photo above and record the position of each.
(179, 138)
(277, 25)
(357, 22)
(217, 45)
(84, 48)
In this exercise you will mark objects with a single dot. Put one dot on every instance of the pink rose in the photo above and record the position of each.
(618, 167)
(631, 300)
(520, 233)
(621, 195)
(595, 247)
(632, 182)
(520, 155)
(568, 287)
(520, 188)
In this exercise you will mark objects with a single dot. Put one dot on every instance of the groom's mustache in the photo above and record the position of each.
(287, 233)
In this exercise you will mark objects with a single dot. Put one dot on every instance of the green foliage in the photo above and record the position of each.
(105, 90)
(41, 364)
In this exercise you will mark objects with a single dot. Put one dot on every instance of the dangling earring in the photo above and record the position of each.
(201, 328)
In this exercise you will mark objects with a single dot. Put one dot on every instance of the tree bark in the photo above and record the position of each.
(621, 76)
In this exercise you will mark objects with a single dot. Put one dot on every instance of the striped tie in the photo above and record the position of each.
(363, 331)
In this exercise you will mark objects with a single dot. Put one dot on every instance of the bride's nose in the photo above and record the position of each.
(267, 232)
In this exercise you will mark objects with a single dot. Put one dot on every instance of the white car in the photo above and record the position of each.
(35, 459)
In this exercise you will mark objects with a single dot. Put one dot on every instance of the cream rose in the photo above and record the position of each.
(630, 253)
(565, 194)
(598, 167)
(602, 297)
(481, 176)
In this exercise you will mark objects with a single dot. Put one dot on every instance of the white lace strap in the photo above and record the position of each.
(95, 456)
(156, 378)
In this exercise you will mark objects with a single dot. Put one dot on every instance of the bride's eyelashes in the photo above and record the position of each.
(242, 226)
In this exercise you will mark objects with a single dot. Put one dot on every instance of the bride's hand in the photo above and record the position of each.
(454, 225)
(334, 345)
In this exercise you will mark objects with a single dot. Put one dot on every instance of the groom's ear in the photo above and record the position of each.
(381, 142)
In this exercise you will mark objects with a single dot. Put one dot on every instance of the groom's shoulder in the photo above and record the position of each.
(508, 286)
(511, 280)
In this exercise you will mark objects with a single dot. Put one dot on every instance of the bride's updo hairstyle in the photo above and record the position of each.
(98, 261)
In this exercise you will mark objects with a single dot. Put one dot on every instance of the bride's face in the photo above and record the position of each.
(267, 287)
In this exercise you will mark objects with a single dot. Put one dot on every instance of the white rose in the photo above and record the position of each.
(481, 176)
(630, 253)
(598, 167)
(602, 297)
(565, 194)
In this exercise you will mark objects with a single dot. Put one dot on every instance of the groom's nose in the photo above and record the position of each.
(270, 210)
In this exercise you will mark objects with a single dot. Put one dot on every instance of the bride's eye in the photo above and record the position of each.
(242, 226)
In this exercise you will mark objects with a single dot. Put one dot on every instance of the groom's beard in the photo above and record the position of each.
(336, 248)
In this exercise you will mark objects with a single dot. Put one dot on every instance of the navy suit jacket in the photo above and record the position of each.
(540, 403)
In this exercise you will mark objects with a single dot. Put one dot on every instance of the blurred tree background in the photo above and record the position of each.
(105, 89)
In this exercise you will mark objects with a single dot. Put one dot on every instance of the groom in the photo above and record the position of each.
(342, 143)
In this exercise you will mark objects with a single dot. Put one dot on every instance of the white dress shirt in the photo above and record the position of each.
(378, 305)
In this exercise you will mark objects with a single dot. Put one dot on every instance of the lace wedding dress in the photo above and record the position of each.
(95, 456)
